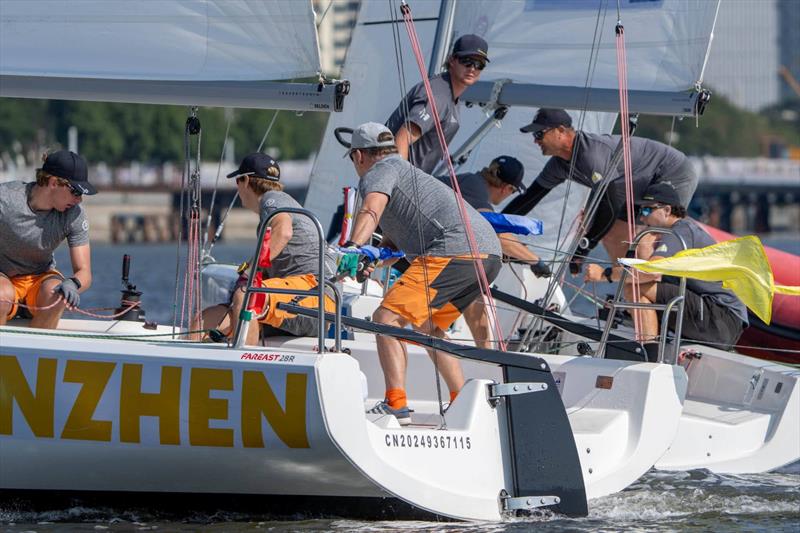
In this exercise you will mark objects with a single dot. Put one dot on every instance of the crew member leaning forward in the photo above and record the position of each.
(484, 190)
(586, 158)
(35, 218)
(420, 216)
(711, 314)
(293, 252)
(413, 122)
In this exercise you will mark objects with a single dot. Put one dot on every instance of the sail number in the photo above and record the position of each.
(441, 442)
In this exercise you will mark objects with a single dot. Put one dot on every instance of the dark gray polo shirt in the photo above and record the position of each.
(473, 188)
(426, 153)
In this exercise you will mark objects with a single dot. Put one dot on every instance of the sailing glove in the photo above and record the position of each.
(69, 289)
(541, 270)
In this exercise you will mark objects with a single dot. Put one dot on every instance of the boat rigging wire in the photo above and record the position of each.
(473, 245)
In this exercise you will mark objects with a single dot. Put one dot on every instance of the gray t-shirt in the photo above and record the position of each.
(651, 161)
(28, 238)
(422, 215)
(426, 153)
(474, 189)
(695, 237)
(301, 254)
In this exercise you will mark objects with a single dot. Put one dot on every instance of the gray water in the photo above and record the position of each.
(660, 501)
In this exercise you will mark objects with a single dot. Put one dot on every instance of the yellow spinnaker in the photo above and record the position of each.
(740, 264)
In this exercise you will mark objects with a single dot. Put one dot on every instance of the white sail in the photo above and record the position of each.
(371, 66)
(550, 42)
(155, 51)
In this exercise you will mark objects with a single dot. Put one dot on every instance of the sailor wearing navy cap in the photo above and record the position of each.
(412, 123)
(586, 159)
(35, 218)
(293, 251)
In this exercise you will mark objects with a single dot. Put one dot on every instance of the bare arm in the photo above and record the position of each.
(368, 217)
(81, 258)
(406, 136)
(281, 234)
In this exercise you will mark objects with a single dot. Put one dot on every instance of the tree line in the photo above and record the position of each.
(119, 133)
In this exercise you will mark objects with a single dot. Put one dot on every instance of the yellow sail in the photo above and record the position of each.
(740, 264)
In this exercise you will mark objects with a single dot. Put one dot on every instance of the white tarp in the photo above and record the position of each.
(177, 40)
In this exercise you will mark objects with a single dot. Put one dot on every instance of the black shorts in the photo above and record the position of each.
(704, 320)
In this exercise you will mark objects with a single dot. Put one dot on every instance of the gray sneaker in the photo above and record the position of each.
(403, 415)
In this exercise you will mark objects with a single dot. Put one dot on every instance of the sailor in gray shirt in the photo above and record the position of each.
(420, 216)
(711, 314)
(293, 259)
(35, 218)
(586, 158)
(413, 123)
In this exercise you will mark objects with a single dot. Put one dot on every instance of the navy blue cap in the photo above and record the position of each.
(258, 165)
(71, 167)
(510, 170)
(471, 45)
(548, 118)
(659, 193)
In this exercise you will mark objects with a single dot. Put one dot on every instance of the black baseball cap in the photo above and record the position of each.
(471, 45)
(71, 167)
(659, 193)
(548, 118)
(510, 170)
(258, 165)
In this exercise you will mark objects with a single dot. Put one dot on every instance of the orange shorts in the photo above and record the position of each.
(26, 289)
(449, 284)
(291, 323)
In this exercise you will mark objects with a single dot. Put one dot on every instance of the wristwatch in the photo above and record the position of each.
(607, 273)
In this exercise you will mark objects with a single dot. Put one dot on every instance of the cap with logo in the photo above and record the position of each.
(548, 118)
(471, 45)
(258, 165)
(71, 167)
(367, 135)
(659, 193)
(510, 170)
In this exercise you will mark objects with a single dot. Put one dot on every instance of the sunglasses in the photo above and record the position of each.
(539, 135)
(351, 155)
(468, 62)
(646, 210)
(75, 191)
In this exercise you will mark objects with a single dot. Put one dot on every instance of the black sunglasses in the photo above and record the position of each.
(539, 135)
(477, 64)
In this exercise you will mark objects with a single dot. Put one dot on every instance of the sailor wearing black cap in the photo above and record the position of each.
(412, 123)
(586, 158)
(490, 187)
(35, 218)
(293, 255)
(711, 314)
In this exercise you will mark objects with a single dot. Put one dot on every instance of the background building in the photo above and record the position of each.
(789, 45)
(336, 19)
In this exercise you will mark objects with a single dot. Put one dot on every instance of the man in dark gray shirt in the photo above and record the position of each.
(413, 123)
(293, 259)
(420, 216)
(35, 218)
(490, 187)
(712, 315)
(586, 159)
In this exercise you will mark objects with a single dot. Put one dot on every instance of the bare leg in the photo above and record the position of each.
(214, 317)
(649, 317)
(49, 317)
(391, 352)
(478, 323)
(6, 297)
(449, 366)
(616, 241)
(254, 328)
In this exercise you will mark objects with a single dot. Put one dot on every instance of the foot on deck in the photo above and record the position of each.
(403, 414)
